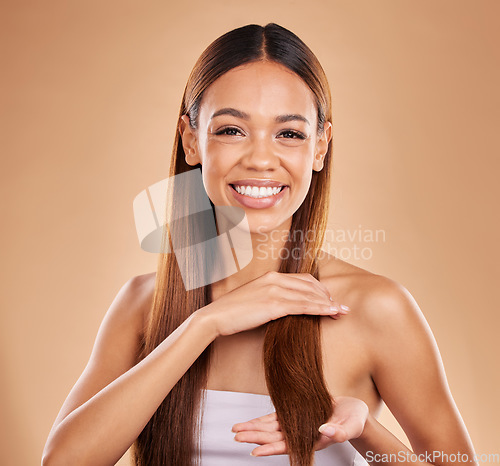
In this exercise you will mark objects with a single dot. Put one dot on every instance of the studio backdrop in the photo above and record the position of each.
(89, 100)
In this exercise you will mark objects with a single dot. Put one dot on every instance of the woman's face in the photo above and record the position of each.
(257, 127)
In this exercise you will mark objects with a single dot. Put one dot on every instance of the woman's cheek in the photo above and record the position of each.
(220, 150)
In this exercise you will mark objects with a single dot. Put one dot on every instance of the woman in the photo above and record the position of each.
(256, 112)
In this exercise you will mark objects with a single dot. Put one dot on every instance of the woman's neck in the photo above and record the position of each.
(266, 255)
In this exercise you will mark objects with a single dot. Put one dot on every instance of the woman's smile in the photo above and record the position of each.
(255, 197)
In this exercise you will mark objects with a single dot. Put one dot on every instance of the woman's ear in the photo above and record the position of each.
(322, 147)
(189, 141)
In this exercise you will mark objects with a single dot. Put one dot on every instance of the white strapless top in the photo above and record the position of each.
(222, 409)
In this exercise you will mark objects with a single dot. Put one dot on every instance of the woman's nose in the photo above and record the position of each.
(260, 155)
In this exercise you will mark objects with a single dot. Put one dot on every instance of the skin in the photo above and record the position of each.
(368, 354)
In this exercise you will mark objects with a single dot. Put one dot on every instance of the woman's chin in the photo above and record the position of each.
(265, 226)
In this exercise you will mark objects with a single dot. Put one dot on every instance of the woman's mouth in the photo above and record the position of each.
(257, 192)
(258, 197)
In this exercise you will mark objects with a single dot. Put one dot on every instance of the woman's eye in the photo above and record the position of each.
(290, 134)
(232, 131)
(228, 131)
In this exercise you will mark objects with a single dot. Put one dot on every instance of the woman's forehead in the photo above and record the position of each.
(259, 89)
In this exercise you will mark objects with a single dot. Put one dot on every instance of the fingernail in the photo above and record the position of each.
(344, 307)
(327, 430)
(331, 299)
(334, 309)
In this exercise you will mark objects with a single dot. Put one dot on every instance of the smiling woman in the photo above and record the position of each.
(292, 355)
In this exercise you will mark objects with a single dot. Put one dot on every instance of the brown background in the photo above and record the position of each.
(89, 101)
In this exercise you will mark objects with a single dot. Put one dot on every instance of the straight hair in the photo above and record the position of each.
(292, 344)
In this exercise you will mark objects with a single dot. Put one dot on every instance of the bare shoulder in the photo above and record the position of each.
(124, 322)
(376, 333)
(140, 290)
(116, 344)
(373, 298)
(123, 325)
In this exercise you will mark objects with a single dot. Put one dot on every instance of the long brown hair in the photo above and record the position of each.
(292, 344)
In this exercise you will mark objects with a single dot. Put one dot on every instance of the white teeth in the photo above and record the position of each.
(256, 192)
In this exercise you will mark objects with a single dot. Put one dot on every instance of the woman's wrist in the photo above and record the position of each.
(367, 428)
(366, 435)
(204, 321)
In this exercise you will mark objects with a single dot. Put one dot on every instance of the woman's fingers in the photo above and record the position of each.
(306, 292)
(276, 448)
(309, 278)
(347, 423)
(270, 297)
(334, 432)
(348, 420)
(266, 431)
(299, 305)
(294, 282)
(262, 438)
(297, 296)
(266, 418)
(269, 426)
(262, 430)
(323, 442)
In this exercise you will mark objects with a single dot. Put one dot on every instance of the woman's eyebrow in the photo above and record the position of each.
(245, 116)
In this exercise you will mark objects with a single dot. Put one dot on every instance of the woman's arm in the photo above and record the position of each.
(409, 375)
(114, 399)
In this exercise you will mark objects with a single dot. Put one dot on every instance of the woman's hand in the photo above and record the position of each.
(269, 297)
(347, 422)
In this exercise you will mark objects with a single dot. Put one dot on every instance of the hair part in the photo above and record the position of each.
(253, 43)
